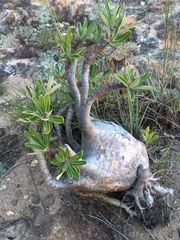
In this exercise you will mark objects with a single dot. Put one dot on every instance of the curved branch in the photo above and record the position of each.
(86, 124)
(73, 85)
(86, 68)
(69, 134)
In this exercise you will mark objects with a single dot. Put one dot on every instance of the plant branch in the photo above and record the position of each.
(86, 124)
(86, 68)
(69, 134)
(73, 85)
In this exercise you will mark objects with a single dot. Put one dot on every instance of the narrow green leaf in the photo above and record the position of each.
(55, 162)
(37, 104)
(46, 127)
(122, 38)
(118, 26)
(37, 136)
(145, 87)
(61, 44)
(106, 72)
(79, 50)
(103, 18)
(79, 163)
(50, 84)
(23, 120)
(69, 173)
(34, 146)
(40, 85)
(135, 83)
(62, 153)
(34, 118)
(46, 139)
(56, 119)
(145, 76)
(108, 10)
(69, 37)
(121, 79)
(76, 157)
(53, 89)
(115, 13)
(75, 171)
(90, 29)
(67, 153)
(47, 102)
(42, 103)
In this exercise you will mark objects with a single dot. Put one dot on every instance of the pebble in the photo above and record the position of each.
(34, 163)
(3, 187)
(14, 202)
(25, 197)
(10, 214)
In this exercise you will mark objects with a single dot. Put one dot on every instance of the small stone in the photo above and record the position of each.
(10, 214)
(34, 163)
(35, 199)
(14, 202)
(25, 197)
(48, 200)
(142, 3)
(3, 187)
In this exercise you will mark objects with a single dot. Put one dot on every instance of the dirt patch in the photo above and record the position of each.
(31, 210)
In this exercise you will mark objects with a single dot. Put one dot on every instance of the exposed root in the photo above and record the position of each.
(106, 199)
(145, 186)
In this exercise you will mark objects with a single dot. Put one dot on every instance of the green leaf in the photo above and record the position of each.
(23, 120)
(76, 157)
(34, 118)
(56, 119)
(119, 25)
(37, 104)
(62, 153)
(79, 163)
(75, 171)
(69, 37)
(61, 44)
(90, 29)
(46, 139)
(106, 72)
(145, 76)
(55, 162)
(130, 95)
(29, 112)
(135, 83)
(47, 102)
(115, 13)
(53, 89)
(37, 136)
(40, 85)
(79, 50)
(107, 10)
(50, 84)
(144, 87)
(46, 127)
(121, 79)
(69, 173)
(34, 146)
(122, 38)
(42, 103)
(103, 18)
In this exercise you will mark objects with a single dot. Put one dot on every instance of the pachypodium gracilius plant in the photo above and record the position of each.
(110, 158)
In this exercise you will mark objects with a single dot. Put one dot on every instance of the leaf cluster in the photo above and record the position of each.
(68, 164)
(132, 83)
(149, 137)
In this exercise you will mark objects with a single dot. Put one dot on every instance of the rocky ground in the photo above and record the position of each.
(31, 210)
